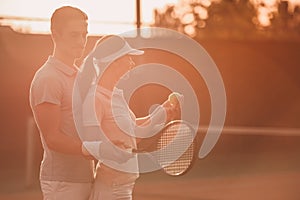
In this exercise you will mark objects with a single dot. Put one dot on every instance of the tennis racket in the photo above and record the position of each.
(175, 148)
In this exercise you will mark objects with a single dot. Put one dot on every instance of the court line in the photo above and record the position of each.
(251, 130)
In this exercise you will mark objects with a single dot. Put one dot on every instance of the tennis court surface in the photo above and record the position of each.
(241, 167)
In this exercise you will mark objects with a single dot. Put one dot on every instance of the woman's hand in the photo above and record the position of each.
(172, 106)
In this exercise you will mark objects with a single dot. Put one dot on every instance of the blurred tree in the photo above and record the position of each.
(286, 19)
(230, 18)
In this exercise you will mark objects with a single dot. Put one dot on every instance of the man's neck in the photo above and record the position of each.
(66, 60)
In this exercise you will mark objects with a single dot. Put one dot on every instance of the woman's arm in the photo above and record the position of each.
(151, 124)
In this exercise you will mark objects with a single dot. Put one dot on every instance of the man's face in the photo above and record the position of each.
(71, 39)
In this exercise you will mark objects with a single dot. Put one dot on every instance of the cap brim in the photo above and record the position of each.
(135, 52)
(126, 49)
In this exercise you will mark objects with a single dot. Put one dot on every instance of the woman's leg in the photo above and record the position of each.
(123, 191)
(102, 190)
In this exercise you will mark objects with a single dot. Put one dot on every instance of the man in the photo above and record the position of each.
(66, 171)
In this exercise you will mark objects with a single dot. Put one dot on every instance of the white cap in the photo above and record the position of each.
(112, 48)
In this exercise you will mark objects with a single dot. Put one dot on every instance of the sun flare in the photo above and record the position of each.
(33, 16)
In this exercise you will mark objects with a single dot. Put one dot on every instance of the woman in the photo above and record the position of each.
(117, 123)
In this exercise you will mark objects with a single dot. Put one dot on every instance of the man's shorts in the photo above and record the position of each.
(58, 190)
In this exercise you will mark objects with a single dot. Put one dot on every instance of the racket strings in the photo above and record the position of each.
(181, 164)
(176, 140)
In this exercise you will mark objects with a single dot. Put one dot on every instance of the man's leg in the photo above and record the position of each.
(57, 190)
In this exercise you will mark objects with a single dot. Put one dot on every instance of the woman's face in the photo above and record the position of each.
(122, 66)
(114, 72)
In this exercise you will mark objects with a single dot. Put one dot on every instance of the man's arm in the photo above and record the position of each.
(48, 119)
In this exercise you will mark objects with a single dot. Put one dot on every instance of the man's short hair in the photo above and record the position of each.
(64, 14)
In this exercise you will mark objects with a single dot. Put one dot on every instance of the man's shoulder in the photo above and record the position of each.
(46, 74)
(47, 71)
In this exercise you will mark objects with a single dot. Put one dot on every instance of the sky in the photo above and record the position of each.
(109, 16)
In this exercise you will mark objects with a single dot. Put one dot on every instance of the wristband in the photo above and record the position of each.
(158, 116)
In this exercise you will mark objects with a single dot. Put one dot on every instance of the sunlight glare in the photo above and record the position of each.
(190, 30)
(187, 18)
(105, 17)
(263, 16)
(202, 12)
